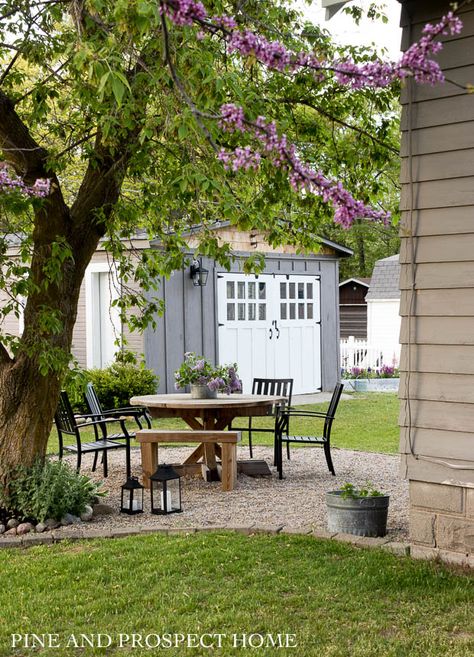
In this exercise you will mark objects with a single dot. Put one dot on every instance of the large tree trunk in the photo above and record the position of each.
(28, 398)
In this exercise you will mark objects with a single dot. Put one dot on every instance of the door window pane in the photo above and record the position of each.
(292, 310)
(282, 290)
(309, 310)
(262, 292)
(300, 290)
(251, 311)
(241, 290)
(309, 290)
(301, 311)
(230, 290)
(262, 311)
(292, 290)
(241, 311)
(282, 310)
(251, 290)
(230, 312)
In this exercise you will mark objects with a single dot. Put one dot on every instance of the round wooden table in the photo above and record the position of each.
(207, 414)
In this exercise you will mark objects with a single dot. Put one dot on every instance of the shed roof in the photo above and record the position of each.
(361, 280)
(385, 282)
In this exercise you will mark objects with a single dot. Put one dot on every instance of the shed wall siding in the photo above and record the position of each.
(190, 320)
(437, 294)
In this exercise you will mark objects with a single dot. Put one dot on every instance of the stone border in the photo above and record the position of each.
(72, 534)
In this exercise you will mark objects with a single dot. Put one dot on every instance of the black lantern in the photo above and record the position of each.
(165, 490)
(132, 497)
(198, 273)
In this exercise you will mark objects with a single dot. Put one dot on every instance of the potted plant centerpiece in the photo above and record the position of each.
(204, 379)
(360, 511)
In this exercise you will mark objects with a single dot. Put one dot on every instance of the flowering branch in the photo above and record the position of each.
(282, 155)
(415, 61)
(13, 183)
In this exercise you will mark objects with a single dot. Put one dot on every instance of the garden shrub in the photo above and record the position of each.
(114, 385)
(49, 489)
(120, 381)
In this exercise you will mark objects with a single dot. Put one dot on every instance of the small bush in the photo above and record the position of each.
(114, 385)
(120, 381)
(49, 489)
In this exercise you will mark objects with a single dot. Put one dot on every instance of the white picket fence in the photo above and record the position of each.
(359, 353)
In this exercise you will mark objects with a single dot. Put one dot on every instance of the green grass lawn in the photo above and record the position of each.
(367, 422)
(336, 600)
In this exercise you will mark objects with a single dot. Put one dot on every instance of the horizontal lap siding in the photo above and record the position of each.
(437, 362)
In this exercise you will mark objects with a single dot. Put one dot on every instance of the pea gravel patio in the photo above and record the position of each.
(297, 501)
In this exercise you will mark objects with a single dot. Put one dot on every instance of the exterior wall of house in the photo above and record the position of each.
(437, 299)
(383, 328)
(190, 320)
(134, 341)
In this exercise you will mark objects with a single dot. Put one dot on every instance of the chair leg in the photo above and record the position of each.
(79, 461)
(280, 459)
(104, 460)
(288, 451)
(327, 454)
(94, 465)
(250, 438)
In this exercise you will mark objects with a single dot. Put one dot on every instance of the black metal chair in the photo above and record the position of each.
(280, 387)
(69, 424)
(138, 413)
(282, 425)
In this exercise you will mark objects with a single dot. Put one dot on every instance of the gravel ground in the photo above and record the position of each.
(296, 501)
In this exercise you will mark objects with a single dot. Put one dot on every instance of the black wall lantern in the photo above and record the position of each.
(132, 497)
(165, 490)
(198, 273)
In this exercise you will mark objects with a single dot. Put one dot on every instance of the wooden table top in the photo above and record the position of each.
(184, 401)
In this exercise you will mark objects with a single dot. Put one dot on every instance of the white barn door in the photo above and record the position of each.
(270, 325)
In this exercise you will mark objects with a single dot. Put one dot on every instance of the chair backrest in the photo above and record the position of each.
(93, 401)
(280, 387)
(331, 412)
(64, 416)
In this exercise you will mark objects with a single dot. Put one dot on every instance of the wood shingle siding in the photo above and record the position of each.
(437, 265)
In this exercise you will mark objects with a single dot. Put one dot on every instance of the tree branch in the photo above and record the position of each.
(5, 357)
(26, 156)
(349, 126)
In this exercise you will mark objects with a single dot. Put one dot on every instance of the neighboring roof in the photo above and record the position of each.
(332, 7)
(385, 282)
(341, 251)
(361, 281)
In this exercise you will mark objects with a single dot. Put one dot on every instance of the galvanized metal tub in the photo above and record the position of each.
(362, 516)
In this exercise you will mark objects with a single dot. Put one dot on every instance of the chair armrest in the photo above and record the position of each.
(126, 410)
(103, 422)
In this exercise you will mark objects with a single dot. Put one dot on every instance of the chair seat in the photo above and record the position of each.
(303, 439)
(95, 446)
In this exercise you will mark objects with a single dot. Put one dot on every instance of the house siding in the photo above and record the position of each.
(437, 296)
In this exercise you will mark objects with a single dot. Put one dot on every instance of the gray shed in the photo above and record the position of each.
(281, 323)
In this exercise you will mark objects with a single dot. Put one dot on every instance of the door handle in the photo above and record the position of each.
(277, 330)
(271, 333)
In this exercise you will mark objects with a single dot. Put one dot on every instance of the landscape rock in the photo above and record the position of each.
(10, 532)
(41, 527)
(13, 522)
(51, 523)
(68, 519)
(24, 528)
(102, 509)
(87, 514)
(2, 529)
